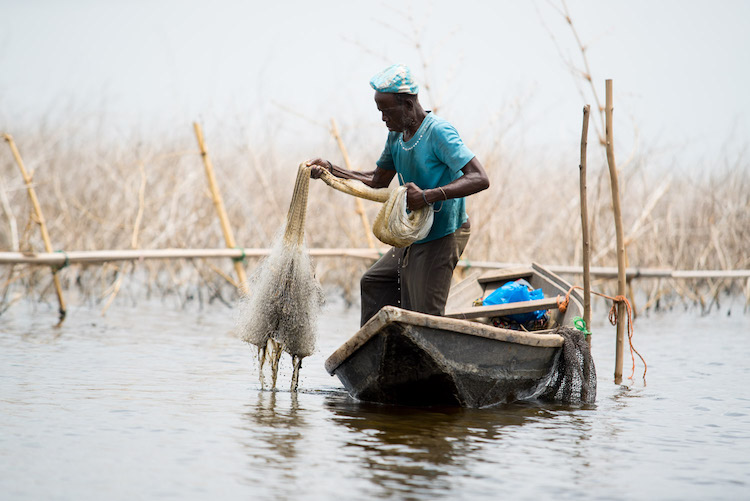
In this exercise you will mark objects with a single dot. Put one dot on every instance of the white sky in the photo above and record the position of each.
(681, 69)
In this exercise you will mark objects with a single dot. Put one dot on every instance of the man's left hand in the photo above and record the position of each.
(415, 199)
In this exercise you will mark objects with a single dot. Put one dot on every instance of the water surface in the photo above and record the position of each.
(159, 402)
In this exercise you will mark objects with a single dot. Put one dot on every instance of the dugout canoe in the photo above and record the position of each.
(408, 358)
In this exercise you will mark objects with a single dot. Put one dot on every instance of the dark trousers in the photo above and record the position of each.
(416, 278)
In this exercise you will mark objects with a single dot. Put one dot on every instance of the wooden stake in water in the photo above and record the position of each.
(226, 228)
(39, 218)
(585, 226)
(621, 277)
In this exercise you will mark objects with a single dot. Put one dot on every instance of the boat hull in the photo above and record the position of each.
(411, 365)
(409, 358)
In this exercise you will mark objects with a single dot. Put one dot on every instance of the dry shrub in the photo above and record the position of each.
(152, 193)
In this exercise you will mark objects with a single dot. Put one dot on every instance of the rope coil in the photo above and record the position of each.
(394, 225)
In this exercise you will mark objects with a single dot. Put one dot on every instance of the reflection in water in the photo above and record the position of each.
(408, 450)
(274, 438)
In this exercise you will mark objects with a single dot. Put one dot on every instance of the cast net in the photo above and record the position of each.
(572, 379)
(280, 311)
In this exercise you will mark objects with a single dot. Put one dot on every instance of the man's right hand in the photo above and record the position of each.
(318, 166)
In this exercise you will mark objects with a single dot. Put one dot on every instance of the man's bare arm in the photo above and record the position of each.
(378, 178)
(474, 180)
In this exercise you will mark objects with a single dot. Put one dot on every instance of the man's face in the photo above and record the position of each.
(392, 111)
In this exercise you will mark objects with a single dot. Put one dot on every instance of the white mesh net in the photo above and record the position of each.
(279, 314)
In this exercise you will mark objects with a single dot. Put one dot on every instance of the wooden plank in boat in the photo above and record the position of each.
(500, 310)
(505, 274)
(465, 292)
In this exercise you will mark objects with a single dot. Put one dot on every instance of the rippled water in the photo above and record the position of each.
(157, 402)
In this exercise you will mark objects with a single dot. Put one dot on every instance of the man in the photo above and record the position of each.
(430, 159)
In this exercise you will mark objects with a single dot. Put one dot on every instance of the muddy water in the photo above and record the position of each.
(156, 402)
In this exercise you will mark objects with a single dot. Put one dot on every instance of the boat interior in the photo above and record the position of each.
(465, 298)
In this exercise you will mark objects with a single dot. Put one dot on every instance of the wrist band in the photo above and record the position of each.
(330, 166)
(425, 198)
(443, 192)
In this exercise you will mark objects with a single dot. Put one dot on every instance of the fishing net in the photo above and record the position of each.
(279, 313)
(572, 379)
(394, 225)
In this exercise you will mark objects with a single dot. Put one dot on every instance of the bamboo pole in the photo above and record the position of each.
(621, 277)
(219, 204)
(103, 256)
(585, 226)
(360, 208)
(40, 219)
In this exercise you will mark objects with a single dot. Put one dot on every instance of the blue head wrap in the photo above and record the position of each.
(395, 79)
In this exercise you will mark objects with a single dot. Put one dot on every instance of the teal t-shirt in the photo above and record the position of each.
(433, 157)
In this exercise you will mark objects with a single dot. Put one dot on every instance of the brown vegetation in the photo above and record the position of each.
(154, 194)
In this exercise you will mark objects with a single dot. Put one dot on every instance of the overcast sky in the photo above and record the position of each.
(681, 69)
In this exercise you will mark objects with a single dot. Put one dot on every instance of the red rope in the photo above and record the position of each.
(562, 305)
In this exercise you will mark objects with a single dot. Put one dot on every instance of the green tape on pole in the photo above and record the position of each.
(65, 264)
(242, 257)
(580, 324)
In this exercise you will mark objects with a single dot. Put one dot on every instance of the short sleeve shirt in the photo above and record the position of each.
(433, 157)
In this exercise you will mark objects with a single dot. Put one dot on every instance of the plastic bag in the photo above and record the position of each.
(513, 292)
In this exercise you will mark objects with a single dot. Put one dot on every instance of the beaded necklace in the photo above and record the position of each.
(403, 146)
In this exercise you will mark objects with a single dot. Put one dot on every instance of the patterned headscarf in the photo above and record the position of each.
(395, 79)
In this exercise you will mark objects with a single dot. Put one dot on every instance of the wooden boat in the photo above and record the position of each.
(408, 358)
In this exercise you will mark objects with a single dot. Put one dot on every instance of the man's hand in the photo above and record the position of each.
(318, 166)
(415, 199)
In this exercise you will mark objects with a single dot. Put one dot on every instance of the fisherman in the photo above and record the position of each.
(431, 160)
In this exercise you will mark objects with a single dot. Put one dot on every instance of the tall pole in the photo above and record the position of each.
(39, 217)
(226, 228)
(621, 281)
(585, 226)
(360, 208)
